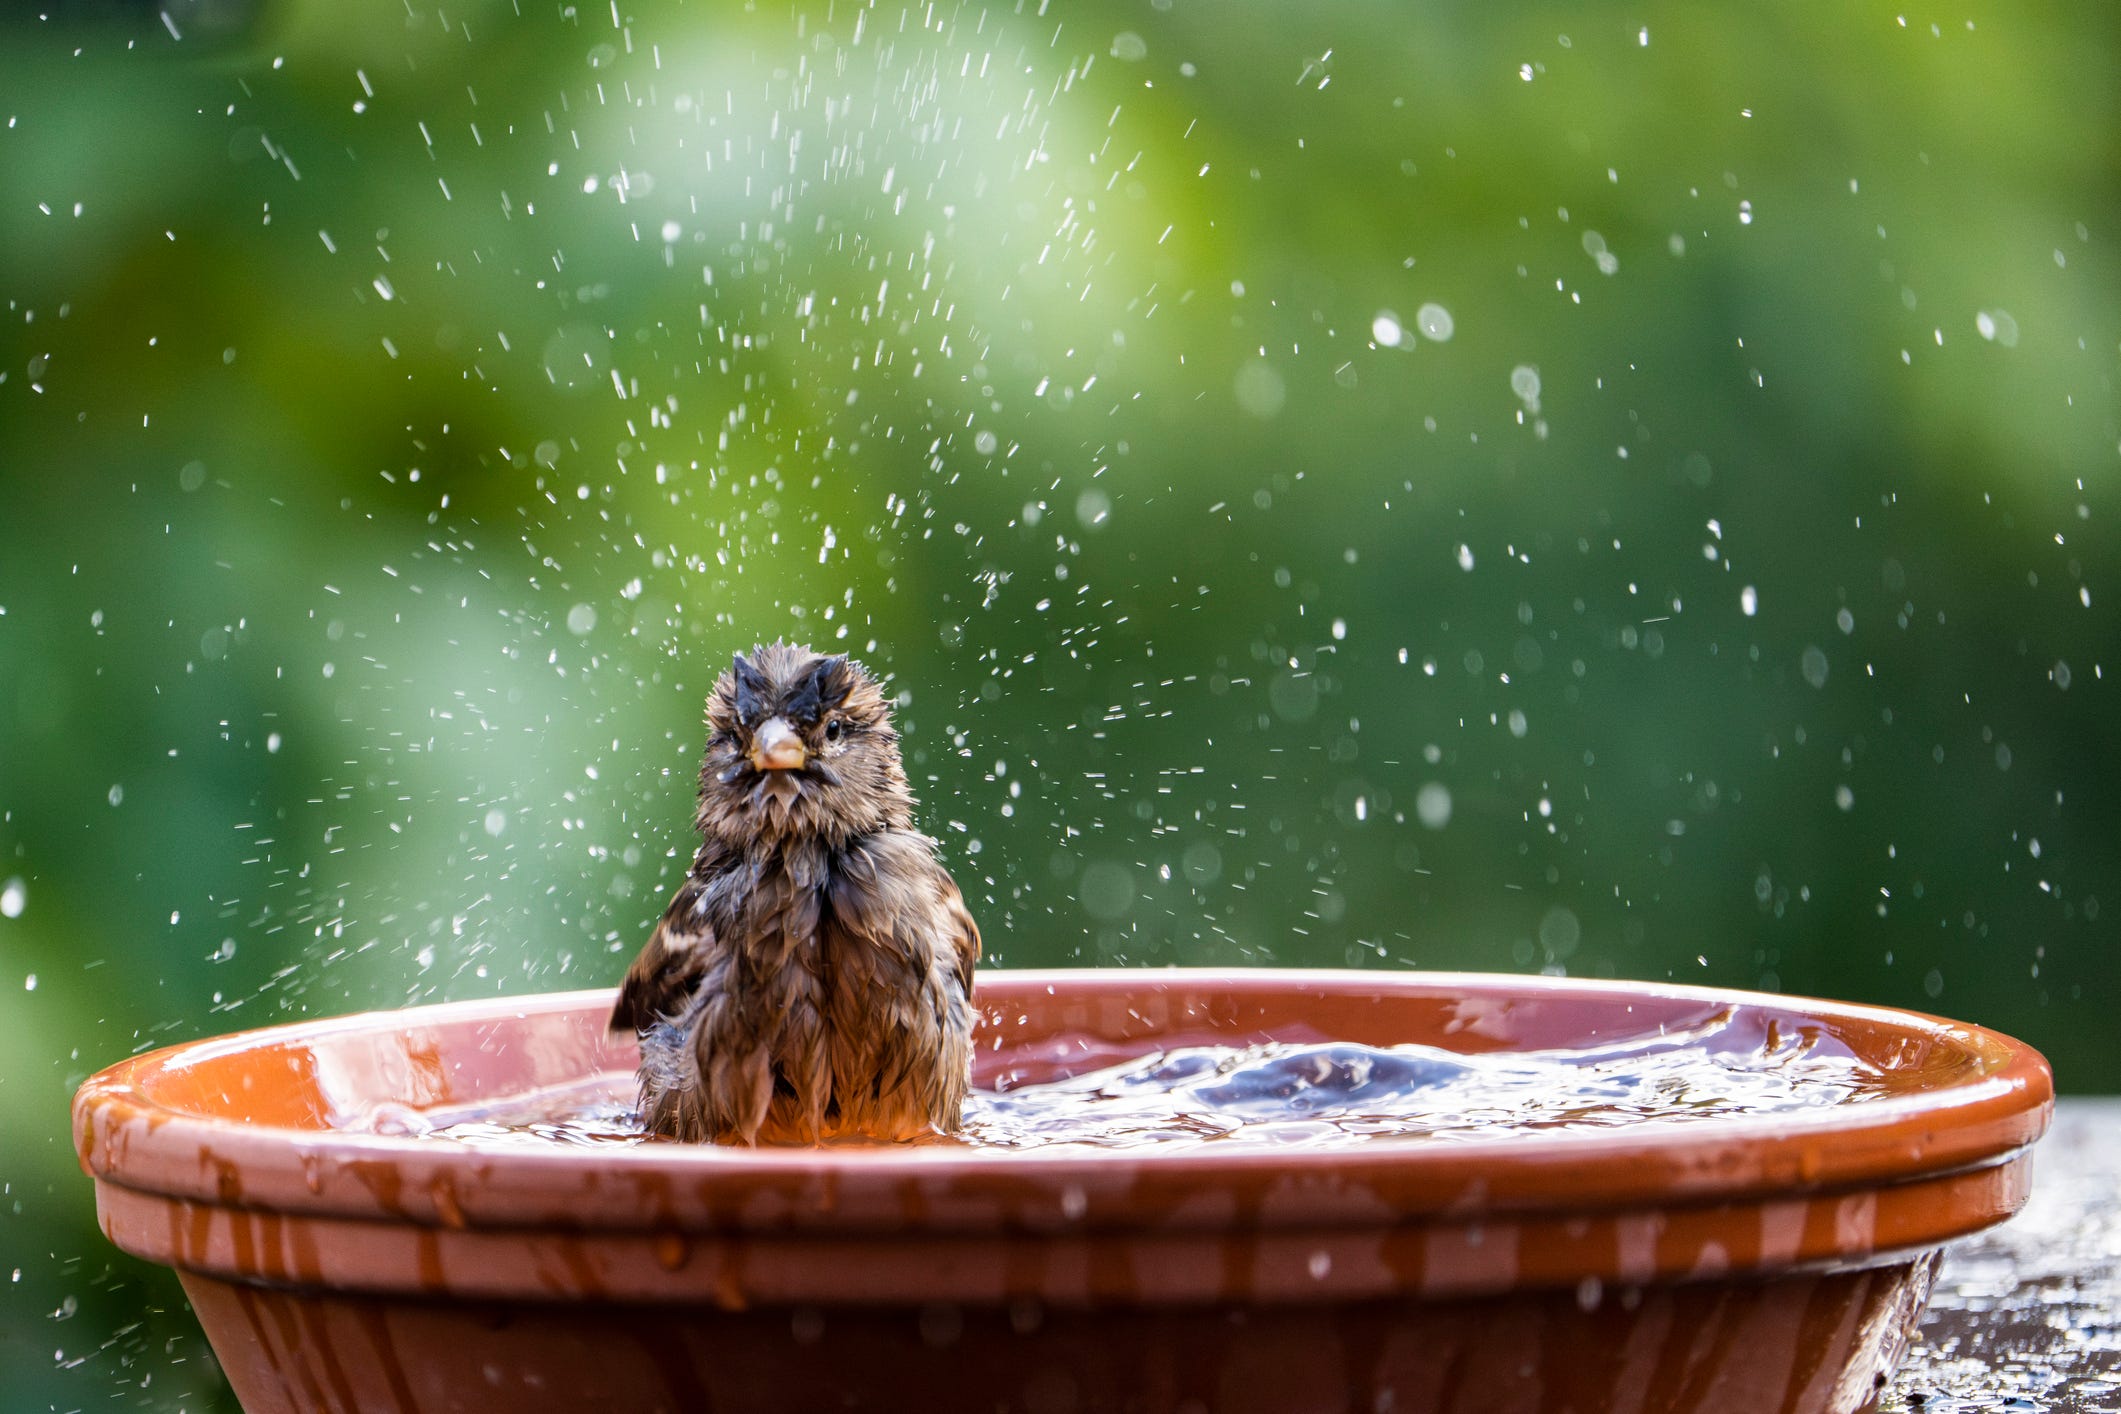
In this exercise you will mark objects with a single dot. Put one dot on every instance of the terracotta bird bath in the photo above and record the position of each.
(1772, 1263)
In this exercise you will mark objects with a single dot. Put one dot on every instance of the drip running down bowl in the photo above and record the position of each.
(364, 1220)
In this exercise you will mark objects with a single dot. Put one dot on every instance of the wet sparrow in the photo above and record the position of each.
(813, 976)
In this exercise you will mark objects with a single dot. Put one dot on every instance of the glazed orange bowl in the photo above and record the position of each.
(1774, 1261)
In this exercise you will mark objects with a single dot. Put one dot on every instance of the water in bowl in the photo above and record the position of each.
(1301, 1093)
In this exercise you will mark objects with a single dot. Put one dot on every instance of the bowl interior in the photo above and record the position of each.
(1038, 1027)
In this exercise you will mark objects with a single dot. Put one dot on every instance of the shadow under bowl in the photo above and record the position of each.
(1775, 1263)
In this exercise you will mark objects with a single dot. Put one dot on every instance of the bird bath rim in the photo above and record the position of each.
(154, 1125)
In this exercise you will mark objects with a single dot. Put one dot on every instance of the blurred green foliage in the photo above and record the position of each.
(1490, 487)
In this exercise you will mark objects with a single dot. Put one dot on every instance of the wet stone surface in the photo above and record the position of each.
(2028, 1317)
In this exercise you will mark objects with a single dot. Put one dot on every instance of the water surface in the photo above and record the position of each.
(1285, 1093)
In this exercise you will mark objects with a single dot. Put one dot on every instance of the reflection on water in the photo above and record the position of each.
(1293, 1094)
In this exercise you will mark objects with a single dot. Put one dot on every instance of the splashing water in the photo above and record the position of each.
(1339, 1092)
(1285, 1093)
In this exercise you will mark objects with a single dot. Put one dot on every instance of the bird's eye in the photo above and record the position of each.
(833, 729)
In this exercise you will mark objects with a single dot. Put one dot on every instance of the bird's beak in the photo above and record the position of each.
(776, 747)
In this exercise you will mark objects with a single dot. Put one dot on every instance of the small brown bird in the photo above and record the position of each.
(812, 978)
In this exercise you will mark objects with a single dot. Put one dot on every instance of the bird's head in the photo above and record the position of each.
(799, 744)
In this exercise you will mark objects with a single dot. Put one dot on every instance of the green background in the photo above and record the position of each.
(1620, 490)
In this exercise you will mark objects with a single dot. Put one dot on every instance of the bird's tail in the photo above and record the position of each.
(670, 1070)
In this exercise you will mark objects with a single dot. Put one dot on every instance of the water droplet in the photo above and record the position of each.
(1432, 805)
(1385, 329)
(1435, 322)
(1465, 557)
(1106, 891)
(1559, 932)
(1997, 326)
(14, 897)
(985, 442)
(1129, 47)
(1749, 601)
(1812, 663)
(1203, 863)
(1260, 389)
(1294, 696)
(1093, 508)
(581, 619)
(496, 821)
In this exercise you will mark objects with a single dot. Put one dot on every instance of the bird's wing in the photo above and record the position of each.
(893, 893)
(901, 970)
(958, 920)
(663, 978)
